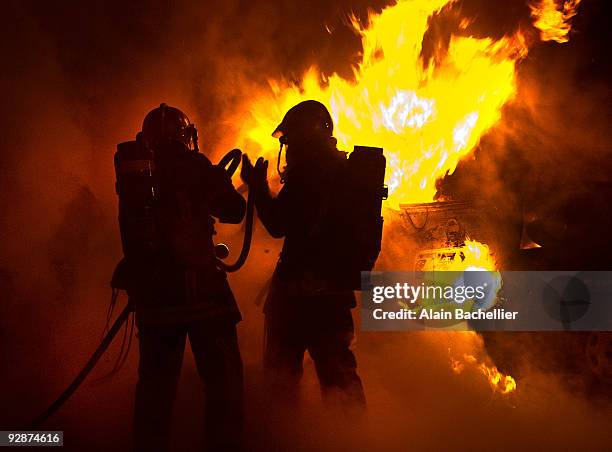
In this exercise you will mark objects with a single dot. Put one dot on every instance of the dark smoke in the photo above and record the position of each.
(78, 78)
(553, 145)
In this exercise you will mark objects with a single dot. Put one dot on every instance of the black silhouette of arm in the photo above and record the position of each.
(226, 203)
(272, 211)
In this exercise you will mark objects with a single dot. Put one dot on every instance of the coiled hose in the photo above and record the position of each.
(230, 161)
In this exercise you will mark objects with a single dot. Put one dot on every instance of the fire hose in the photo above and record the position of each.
(230, 162)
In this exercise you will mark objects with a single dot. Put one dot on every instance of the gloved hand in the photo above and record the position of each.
(254, 176)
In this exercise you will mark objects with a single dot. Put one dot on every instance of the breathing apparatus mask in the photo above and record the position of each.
(281, 173)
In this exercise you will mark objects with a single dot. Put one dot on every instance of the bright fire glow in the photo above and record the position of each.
(425, 116)
(499, 382)
(478, 257)
(475, 256)
(472, 256)
(552, 18)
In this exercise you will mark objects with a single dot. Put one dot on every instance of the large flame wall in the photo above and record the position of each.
(426, 113)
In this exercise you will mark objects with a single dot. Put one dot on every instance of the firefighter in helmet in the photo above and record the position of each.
(309, 303)
(177, 287)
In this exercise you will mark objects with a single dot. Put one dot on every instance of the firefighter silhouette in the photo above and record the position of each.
(173, 280)
(310, 300)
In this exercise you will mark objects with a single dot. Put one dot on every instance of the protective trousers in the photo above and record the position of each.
(218, 361)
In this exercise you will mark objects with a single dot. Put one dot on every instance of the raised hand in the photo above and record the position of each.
(254, 175)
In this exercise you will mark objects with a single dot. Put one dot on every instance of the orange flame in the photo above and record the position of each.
(499, 382)
(553, 23)
(426, 116)
(472, 256)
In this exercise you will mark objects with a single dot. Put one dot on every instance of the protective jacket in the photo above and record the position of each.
(309, 213)
(181, 281)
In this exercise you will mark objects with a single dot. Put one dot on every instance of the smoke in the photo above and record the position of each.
(553, 143)
(78, 80)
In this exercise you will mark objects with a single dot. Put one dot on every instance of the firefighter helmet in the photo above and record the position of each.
(308, 119)
(169, 123)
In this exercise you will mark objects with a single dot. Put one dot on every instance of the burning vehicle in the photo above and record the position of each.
(441, 230)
